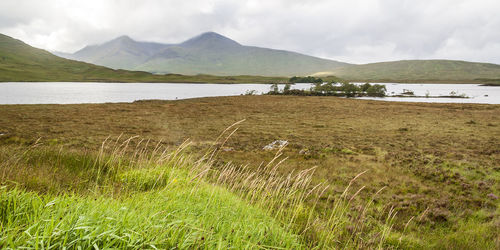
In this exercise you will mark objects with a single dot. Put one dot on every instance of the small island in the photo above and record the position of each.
(346, 89)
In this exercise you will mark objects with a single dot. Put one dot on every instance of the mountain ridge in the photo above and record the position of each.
(207, 53)
(20, 62)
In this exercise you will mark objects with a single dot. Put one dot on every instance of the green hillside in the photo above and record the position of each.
(208, 53)
(225, 59)
(420, 71)
(250, 60)
(213, 54)
(21, 62)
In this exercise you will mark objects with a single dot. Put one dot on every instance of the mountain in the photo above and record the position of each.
(208, 53)
(21, 62)
(119, 53)
(418, 71)
(214, 53)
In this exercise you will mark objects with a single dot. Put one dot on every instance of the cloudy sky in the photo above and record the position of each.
(356, 31)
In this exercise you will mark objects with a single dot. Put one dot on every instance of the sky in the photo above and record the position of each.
(354, 31)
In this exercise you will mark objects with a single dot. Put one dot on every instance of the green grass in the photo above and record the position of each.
(156, 204)
(182, 215)
(170, 218)
(136, 197)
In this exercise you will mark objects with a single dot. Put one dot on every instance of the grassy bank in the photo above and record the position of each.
(140, 197)
(435, 164)
(152, 203)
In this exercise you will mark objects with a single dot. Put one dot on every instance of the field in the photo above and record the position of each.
(430, 173)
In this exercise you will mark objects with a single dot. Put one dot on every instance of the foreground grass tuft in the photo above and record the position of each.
(134, 197)
(160, 207)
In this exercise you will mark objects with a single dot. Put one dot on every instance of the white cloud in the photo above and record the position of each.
(356, 31)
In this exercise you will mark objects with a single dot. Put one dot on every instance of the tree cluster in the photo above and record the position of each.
(307, 79)
(333, 89)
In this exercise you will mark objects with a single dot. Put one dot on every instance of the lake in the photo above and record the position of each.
(475, 92)
(78, 92)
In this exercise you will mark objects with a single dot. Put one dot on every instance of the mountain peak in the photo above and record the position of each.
(123, 38)
(209, 39)
(211, 34)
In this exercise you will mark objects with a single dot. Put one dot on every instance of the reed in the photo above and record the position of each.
(159, 197)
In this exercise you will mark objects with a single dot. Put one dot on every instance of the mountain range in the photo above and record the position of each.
(208, 53)
(214, 54)
(211, 53)
(20, 62)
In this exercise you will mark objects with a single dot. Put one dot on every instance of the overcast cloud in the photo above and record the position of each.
(356, 31)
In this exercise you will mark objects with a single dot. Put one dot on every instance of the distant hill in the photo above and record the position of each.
(119, 53)
(21, 62)
(214, 53)
(418, 71)
(208, 53)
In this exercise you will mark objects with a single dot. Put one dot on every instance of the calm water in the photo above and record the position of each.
(477, 94)
(77, 92)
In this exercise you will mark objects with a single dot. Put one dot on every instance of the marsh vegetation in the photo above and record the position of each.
(431, 180)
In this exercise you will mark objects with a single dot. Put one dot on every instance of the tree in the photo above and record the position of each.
(350, 89)
(365, 87)
(287, 88)
(294, 79)
(307, 79)
(274, 88)
(377, 90)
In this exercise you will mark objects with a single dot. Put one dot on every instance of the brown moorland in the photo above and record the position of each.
(440, 163)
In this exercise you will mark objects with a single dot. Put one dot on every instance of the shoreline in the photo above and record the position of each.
(378, 99)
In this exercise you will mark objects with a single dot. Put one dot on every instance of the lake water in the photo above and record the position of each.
(476, 93)
(84, 92)
(78, 92)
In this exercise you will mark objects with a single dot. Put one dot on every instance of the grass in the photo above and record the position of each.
(160, 198)
(435, 167)
(174, 217)
(145, 201)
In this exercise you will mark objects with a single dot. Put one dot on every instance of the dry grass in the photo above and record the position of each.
(438, 162)
(119, 173)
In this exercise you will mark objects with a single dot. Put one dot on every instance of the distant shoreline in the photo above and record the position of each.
(256, 80)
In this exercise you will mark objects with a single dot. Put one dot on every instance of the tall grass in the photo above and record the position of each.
(138, 196)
